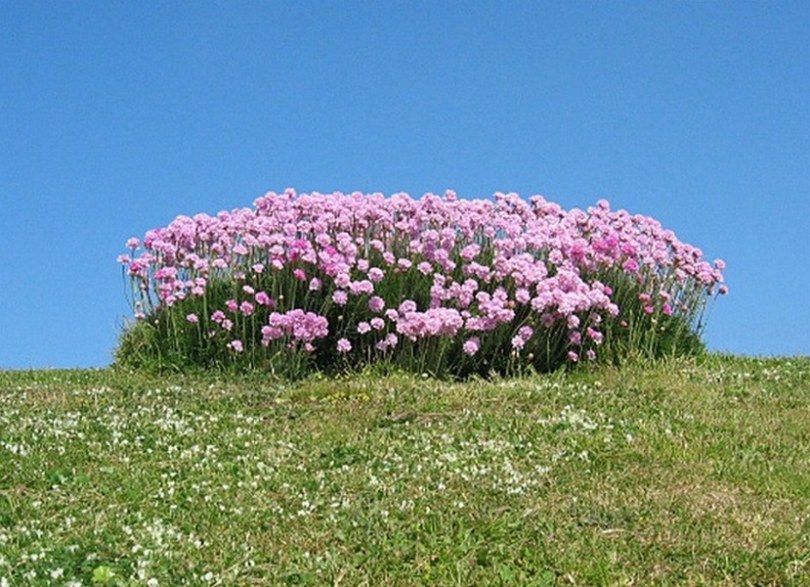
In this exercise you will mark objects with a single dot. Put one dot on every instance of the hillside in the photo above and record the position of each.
(681, 473)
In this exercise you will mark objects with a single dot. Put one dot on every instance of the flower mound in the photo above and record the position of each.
(438, 284)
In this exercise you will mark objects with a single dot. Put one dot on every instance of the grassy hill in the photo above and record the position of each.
(680, 473)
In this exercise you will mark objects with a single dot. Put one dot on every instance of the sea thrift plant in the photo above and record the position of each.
(438, 284)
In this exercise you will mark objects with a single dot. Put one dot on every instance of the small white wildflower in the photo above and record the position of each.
(57, 573)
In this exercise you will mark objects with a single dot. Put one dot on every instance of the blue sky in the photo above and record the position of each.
(115, 117)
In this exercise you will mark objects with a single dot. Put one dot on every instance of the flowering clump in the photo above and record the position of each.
(437, 284)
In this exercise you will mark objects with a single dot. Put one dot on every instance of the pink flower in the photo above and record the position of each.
(377, 323)
(236, 346)
(344, 346)
(133, 243)
(193, 318)
(472, 345)
(407, 306)
(522, 296)
(218, 316)
(573, 357)
(340, 297)
(227, 324)
(363, 327)
(630, 266)
(666, 310)
(258, 268)
(263, 299)
(246, 308)
(361, 287)
(376, 304)
(231, 305)
(315, 284)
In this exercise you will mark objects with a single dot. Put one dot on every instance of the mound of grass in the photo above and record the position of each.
(681, 473)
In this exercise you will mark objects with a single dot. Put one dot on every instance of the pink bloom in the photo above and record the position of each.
(231, 305)
(723, 290)
(227, 324)
(376, 304)
(361, 287)
(375, 274)
(594, 335)
(590, 354)
(340, 297)
(236, 346)
(246, 308)
(407, 306)
(573, 357)
(666, 310)
(377, 323)
(258, 268)
(526, 332)
(363, 327)
(522, 295)
(471, 345)
(315, 284)
(299, 274)
(218, 316)
(263, 299)
(133, 243)
(193, 318)
(343, 345)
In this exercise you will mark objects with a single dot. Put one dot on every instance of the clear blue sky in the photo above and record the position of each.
(117, 116)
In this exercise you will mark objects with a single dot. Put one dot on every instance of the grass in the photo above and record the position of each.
(680, 473)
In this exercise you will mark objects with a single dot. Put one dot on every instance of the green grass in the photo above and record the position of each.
(681, 473)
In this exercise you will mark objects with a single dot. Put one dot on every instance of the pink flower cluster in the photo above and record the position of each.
(296, 324)
(476, 265)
